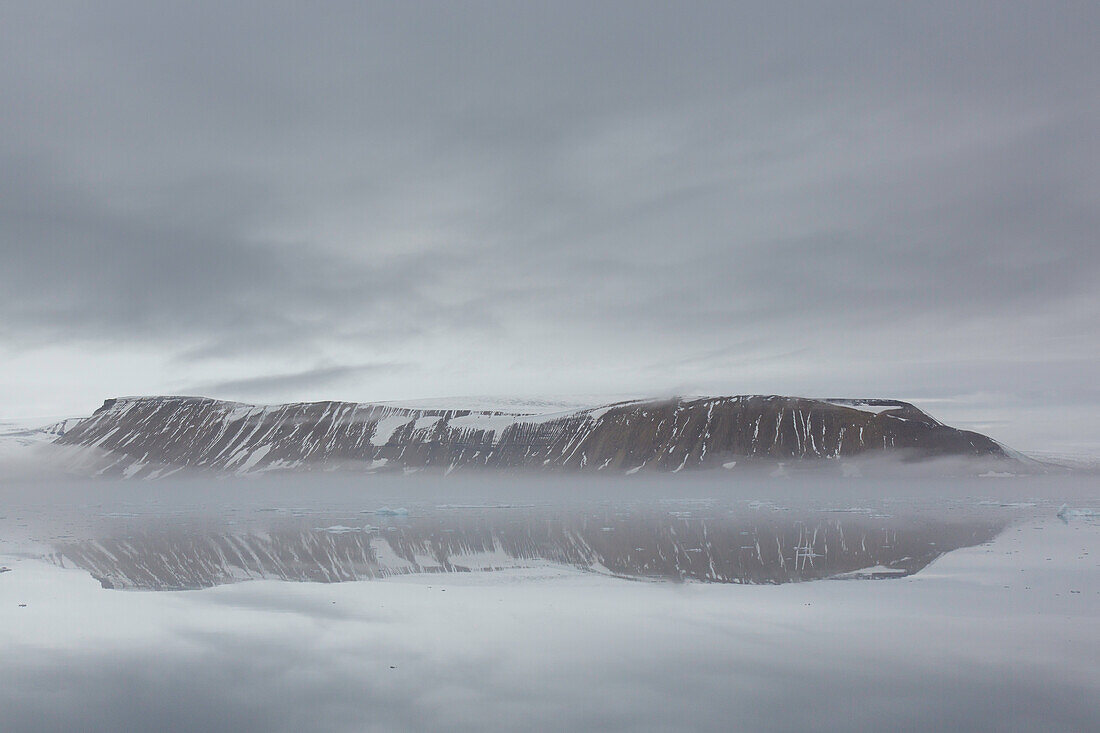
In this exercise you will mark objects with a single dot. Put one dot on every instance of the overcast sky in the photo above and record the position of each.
(373, 201)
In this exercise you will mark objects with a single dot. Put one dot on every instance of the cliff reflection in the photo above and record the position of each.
(646, 543)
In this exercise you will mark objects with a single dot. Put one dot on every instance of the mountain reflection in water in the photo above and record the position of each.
(648, 543)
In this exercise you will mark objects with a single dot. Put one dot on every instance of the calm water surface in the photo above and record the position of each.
(475, 606)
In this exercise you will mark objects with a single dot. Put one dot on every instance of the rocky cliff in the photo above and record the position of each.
(156, 436)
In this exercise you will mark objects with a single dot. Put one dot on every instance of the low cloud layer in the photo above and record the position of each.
(895, 200)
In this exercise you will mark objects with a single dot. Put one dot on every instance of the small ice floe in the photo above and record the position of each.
(1065, 513)
(339, 529)
(484, 506)
(4, 569)
(387, 512)
(996, 474)
(729, 465)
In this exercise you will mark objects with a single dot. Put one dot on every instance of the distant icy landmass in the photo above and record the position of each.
(22, 439)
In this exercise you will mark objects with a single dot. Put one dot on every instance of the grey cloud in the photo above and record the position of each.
(80, 269)
(309, 378)
(361, 183)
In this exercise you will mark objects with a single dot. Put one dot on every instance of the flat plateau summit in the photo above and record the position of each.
(152, 437)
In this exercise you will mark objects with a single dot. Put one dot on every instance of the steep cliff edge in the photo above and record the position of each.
(154, 436)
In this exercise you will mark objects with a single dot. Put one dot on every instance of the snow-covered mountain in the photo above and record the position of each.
(157, 436)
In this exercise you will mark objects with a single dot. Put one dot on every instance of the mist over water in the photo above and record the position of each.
(481, 602)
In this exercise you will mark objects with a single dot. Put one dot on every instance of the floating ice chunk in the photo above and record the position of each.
(387, 512)
(1065, 513)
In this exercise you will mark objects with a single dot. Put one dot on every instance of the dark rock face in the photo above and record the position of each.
(153, 436)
